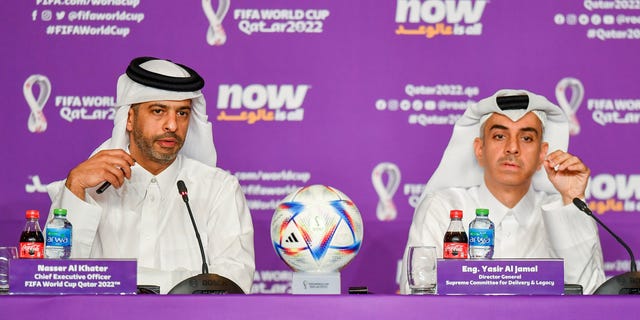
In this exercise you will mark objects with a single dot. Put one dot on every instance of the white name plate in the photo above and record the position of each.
(315, 283)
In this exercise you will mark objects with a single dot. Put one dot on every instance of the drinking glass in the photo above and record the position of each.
(6, 254)
(422, 269)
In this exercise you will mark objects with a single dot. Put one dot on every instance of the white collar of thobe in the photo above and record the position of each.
(523, 211)
(141, 179)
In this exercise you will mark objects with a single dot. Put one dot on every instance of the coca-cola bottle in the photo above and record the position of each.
(31, 239)
(456, 243)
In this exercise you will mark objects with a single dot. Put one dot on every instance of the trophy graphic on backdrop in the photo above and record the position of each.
(37, 122)
(570, 107)
(316, 230)
(215, 34)
(386, 209)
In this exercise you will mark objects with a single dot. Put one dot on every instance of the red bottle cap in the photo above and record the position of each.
(33, 214)
(457, 214)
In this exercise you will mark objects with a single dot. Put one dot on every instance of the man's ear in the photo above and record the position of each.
(477, 150)
(130, 118)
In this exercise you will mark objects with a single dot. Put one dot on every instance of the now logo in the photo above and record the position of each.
(434, 11)
(256, 96)
(622, 186)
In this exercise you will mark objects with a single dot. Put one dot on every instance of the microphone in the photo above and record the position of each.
(107, 184)
(103, 187)
(182, 189)
(205, 283)
(626, 283)
(584, 208)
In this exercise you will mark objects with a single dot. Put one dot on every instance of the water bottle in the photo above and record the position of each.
(58, 236)
(455, 239)
(481, 236)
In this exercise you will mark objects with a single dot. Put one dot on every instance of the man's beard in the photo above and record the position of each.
(146, 146)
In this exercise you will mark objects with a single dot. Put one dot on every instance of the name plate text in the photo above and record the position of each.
(501, 276)
(86, 276)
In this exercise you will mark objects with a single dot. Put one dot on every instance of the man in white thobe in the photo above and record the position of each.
(161, 135)
(494, 160)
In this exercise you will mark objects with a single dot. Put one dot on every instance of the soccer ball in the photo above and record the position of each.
(316, 229)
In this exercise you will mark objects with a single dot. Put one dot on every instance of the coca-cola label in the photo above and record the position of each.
(31, 250)
(455, 250)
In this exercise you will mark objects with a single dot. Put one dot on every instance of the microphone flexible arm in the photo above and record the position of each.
(205, 283)
(182, 189)
(584, 208)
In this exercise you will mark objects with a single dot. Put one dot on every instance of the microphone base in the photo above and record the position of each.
(208, 283)
(623, 284)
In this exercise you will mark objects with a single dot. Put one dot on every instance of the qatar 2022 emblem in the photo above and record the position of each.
(37, 122)
(215, 33)
(386, 209)
(570, 106)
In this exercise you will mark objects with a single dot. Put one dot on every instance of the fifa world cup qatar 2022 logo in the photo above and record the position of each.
(215, 33)
(37, 122)
(386, 209)
(570, 107)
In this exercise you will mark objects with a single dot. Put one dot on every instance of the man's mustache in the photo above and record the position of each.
(510, 159)
(169, 135)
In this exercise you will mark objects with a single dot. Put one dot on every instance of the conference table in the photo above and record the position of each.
(328, 307)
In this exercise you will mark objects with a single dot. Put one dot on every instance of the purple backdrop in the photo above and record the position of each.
(323, 92)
